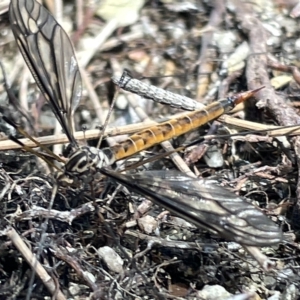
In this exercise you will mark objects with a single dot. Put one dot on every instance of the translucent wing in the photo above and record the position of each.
(205, 204)
(50, 57)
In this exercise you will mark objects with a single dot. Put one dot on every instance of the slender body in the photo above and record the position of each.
(175, 127)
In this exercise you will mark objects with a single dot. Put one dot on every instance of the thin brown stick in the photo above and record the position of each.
(80, 136)
(34, 264)
(49, 140)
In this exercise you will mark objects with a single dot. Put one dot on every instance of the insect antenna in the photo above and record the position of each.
(103, 128)
(25, 134)
(36, 153)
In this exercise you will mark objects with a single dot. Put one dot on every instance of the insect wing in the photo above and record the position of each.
(204, 204)
(50, 57)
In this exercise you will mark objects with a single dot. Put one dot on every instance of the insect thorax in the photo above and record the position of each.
(84, 164)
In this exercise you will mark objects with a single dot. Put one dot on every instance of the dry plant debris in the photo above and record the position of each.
(104, 241)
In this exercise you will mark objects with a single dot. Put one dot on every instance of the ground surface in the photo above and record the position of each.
(106, 243)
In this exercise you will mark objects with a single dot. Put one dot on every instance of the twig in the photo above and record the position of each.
(34, 264)
(257, 74)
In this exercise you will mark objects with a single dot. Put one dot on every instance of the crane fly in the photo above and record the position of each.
(50, 57)
(49, 54)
